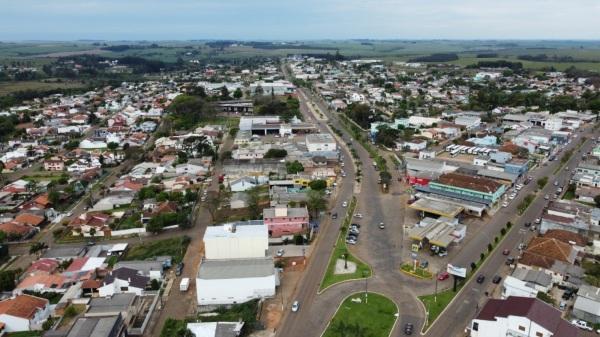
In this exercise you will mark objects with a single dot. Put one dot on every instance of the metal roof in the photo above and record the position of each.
(236, 268)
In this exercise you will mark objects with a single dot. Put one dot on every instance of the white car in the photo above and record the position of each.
(505, 204)
(345, 204)
(280, 252)
(295, 306)
(512, 196)
(358, 215)
(581, 324)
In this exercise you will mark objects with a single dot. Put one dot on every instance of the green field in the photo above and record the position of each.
(373, 317)
(12, 86)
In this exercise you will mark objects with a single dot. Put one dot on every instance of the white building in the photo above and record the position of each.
(526, 283)
(216, 329)
(320, 142)
(553, 124)
(123, 280)
(276, 88)
(23, 313)
(522, 317)
(587, 304)
(224, 282)
(469, 122)
(236, 240)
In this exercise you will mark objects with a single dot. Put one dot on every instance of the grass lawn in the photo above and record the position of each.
(418, 272)
(373, 318)
(133, 221)
(569, 195)
(25, 334)
(174, 247)
(362, 269)
(435, 307)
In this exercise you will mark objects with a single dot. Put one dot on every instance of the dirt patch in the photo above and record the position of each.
(295, 263)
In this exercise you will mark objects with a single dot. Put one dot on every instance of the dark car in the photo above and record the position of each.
(496, 279)
(480, 278)
(527, 224)
(506, 252)
(424, 264)
(510, 261)
(179, 269)
(408, 329)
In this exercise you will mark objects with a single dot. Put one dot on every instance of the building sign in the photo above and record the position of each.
(415, 247)
(457, 271)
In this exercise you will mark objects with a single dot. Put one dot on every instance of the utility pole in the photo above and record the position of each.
(436, 287)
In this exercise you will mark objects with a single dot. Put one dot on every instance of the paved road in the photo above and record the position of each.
(463, 309)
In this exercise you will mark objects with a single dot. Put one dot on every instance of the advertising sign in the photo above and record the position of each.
(457, 271)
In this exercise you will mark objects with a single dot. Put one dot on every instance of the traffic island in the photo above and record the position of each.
(417, 272)
(360, 315)
(342, 265)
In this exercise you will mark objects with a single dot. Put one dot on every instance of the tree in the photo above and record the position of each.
(92, 232)
(237, 94)
(2, 237)
(155, 225)
(225, 93)
(318, 185)
(316, 202)
(275, 153)
(386, 136)
(113, 146)
(254, 202)
(37, 247)
(7, 280)
(294, 167)
(386, 177)
(597, 200)
(54, 197)
(71, 145)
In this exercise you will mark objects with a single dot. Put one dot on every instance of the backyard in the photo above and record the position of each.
(360, 316)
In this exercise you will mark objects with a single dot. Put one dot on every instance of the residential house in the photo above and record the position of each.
(526, 283)
(150, 269)
(54, 164)
(546, 254)
(95, 223)
(242, 184)
(587, 304)
(23, 313)
(216, 329)
(123, 280)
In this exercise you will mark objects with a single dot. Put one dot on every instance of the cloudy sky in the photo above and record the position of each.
(306, 19)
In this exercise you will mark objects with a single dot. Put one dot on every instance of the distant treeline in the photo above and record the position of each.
(440, 57)
(553, 58)
(497, 64)
(326, 56)
(140, 65)
(487, 55)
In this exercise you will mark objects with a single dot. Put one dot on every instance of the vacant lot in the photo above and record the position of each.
(174, 247)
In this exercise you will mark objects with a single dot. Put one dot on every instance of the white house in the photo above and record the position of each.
(190, 169)
(320, 142)
(414, 145)
(526, 283)
(24, 313)
(469, 122)
(225, 282)
(249, 239)
(242, 184)
(520, 316)
(553, 124)
(123, 280)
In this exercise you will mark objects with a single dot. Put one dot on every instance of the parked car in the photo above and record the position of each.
(351, 241)
(581, 324)
(527, 224)
(345, 204)
(358, 215)
(505, 204)
(538, 220)
(295, 306)
(443, 276)
(179, 269)
(408, 329)
(480, 278)
(443, 253)
(424, 264)
(546, 197)
(280, 252)
(562, 306)
(506, 252)
(334, 216)
(510, 261)
(354, 231)
(496, 279)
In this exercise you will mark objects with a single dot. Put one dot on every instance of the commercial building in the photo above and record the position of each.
(226, 282)
(320, 142)
(521, 316)
(587, 304)
(471, 188)
(282, 221)
(246, 239)
(526, 283)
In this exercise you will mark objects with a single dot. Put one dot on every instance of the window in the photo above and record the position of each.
(522, 328)
(539, 334)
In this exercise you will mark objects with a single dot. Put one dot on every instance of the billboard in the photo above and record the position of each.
(456, 271)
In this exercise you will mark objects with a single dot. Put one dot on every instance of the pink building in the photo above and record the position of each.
(285, 221)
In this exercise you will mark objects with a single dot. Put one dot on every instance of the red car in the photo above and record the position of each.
(443, 275)
(505, 252)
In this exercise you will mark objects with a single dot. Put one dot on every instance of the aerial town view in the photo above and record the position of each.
(299, 169)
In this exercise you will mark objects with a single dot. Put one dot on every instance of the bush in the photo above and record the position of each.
(482, 256)
(490, 247)
(508, 225)
(503, 231)
(496, 239)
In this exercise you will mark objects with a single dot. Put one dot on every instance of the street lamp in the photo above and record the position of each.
(365, 274)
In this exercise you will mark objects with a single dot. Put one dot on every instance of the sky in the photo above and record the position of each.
(298, 20)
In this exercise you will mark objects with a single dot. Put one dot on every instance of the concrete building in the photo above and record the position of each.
(520, 316)
(226, 282)
(469, 122)
(283, 221)
(216, 329)
(571, 216)
(587, 304)
(247, 239)
(111, 326)
(467, 187)
(319, 142)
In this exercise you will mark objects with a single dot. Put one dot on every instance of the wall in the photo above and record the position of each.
(233, 248)
(229, 291)
(14, 323)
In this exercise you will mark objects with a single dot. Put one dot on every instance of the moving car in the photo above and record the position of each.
(408, 329)
(506, 252)
(510, 261)
(381, 225)
(295, 306)
(496, 279)
(358, 215)
(480, 278)
(280, 252)
(443, 276)
(345, 204)
(351, 241)
(334, 216)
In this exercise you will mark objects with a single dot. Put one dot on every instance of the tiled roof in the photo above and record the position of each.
(24, 306)
(543, 252)
(29, 219)
(566, 237)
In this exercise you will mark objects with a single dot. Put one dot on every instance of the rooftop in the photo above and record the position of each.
(236, 268)
(109, 305)
(469, 182)
(94, 326)
(253, 228)
(24, 306)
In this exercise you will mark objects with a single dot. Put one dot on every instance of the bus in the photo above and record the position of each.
(454, 152)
